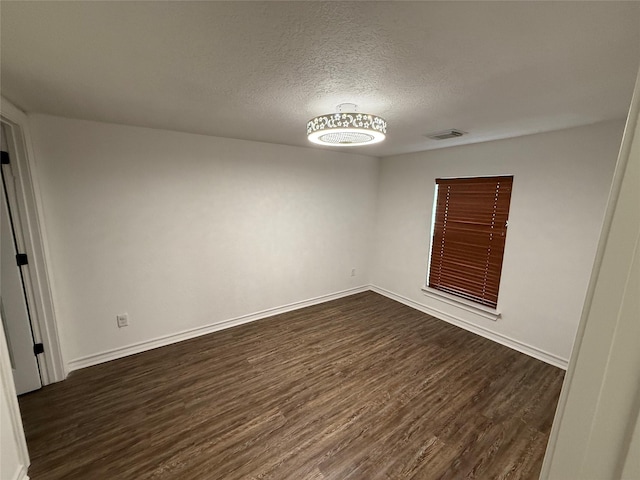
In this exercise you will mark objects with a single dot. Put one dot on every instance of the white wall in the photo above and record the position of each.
(560, 188)
(183, 231)
(186, 231)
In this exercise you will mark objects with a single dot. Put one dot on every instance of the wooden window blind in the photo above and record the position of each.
(469, 235)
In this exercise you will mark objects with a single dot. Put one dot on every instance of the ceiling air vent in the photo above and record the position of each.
(445, 135)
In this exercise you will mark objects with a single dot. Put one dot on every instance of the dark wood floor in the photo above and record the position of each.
(358, 388)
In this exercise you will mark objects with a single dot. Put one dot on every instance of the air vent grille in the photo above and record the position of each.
(445, 135)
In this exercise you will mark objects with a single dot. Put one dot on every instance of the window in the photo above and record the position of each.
(469, 233)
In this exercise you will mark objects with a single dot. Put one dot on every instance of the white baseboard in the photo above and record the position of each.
(232, 322)
(496, 337)
(21, 473)
(199, 331)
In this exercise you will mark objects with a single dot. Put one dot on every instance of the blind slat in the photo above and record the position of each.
(469, 236)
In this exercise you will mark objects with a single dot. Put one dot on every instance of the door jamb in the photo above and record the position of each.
(36, 273)
(8, 390)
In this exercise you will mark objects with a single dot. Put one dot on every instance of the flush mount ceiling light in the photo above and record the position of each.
(346, 128)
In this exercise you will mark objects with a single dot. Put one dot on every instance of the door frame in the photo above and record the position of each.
(8, 390)
(33, 235)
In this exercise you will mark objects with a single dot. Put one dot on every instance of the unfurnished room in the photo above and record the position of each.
(320, 240)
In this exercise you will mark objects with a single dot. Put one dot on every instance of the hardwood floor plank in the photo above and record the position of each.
(357, 388)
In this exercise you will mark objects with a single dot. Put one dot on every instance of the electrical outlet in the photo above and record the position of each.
(123, 320)
(353, 272)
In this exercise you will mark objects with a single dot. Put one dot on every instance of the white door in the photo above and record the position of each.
(13, 304)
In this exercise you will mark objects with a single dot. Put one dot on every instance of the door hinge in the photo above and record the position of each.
(21, 259)
(38, 348)
(5, 158)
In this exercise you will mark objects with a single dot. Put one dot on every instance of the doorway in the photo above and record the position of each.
(26, 298)
(16, 318)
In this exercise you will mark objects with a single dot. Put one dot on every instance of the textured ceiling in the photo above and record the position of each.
(260, 70)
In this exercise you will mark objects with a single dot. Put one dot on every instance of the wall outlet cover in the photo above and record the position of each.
(123, 320)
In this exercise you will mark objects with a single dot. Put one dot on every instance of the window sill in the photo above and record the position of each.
(485, 312)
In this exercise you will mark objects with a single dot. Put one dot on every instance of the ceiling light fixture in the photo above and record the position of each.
(346, 128)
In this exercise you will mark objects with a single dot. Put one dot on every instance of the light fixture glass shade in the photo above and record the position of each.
(346, 129)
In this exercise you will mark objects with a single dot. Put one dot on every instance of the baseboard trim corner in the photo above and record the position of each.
(521, 347)
(140, 347)
(21, 474)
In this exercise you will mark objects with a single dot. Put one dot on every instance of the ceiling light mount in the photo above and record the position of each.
(346, 128)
